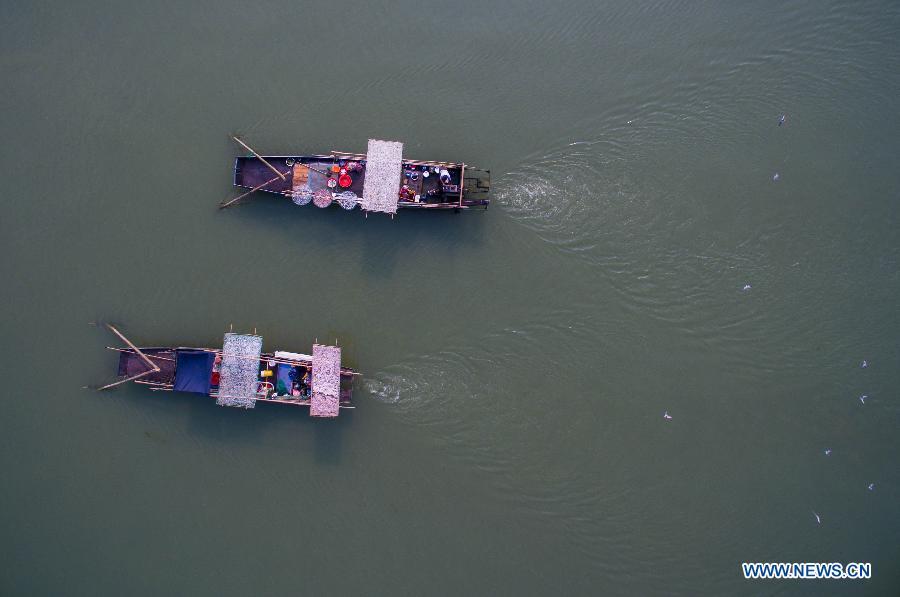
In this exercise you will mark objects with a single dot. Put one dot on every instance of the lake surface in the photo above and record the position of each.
(509, 435)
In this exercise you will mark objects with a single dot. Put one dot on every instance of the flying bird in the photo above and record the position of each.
(666, 415)
(781, 120)
(746, 287)
(864, 364)
(818, 520)
(871, 487)
(863, 398)
(776, 177)
(827, 451)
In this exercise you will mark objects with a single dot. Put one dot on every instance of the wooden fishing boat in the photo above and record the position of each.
(380, 180)
(240, 375)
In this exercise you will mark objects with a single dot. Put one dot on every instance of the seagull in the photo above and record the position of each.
(776, 177)
(863, 398)
(781, 120)
(871, 487)
(818, 520)
(746, 287)
(864, 364)
(666, 415)
(827, 451)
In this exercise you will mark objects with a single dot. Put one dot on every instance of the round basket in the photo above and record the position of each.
(322, 198)
(302, 197)
(347, 200)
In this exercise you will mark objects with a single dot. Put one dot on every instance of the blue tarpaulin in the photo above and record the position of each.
(193, 369)
(283, 381)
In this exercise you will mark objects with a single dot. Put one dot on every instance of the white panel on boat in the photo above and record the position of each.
(240, 370)
(381, 186)
(326, 381)
(292, 356)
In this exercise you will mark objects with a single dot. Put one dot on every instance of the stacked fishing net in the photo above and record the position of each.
(326, 381)
(240, 370)
(382, 183)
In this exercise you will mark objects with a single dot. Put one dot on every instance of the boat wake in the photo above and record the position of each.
(563, 196)
(499, 429)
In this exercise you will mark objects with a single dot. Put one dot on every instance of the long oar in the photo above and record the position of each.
(253, 190)
(153, 368)
(261, 159)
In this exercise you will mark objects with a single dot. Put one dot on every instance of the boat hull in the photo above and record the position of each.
(468, 188)
(166, 360)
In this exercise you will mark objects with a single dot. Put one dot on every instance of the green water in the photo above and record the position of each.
(509, 434)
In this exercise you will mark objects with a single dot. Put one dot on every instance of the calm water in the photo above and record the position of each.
(509, 436)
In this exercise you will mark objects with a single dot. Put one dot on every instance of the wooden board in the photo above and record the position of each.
(300, 177)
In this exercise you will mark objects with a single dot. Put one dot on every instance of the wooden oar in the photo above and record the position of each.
(261, 159)
(253, 190)
(153, 368)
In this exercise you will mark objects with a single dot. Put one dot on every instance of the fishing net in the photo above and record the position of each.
(347, 199)
(239, 371)
(382, 182)
(326, 381)
(302, 197)
(322, 198)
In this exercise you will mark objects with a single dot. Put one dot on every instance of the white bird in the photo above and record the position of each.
(863, 398)
(776, 177)
(746, 287)
(666, 415)
(871, 487)
(827, 451)
(864, 364)
(818, 520)
(781, 120)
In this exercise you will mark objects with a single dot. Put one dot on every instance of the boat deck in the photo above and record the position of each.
(311, 173)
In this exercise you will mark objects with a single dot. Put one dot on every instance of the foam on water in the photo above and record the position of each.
(479, 400)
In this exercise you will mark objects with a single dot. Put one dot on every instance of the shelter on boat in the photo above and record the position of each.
(193, 372)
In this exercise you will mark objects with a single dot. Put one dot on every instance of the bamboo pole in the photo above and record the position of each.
(362, 156)
(261, 159)
(127, 379)
(132, 346)
(262, 359)
(153, 368)
(149, 356)
(278, 361)
(253, 190)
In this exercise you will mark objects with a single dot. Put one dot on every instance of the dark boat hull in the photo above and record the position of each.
(166, 360)
(470, 187)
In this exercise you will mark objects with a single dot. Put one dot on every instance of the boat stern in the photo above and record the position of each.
(476, 188)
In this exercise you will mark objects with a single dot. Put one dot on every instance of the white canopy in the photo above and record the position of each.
(381, 187)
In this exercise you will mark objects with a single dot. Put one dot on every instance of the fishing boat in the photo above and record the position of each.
(381, 180)
(240, 374)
